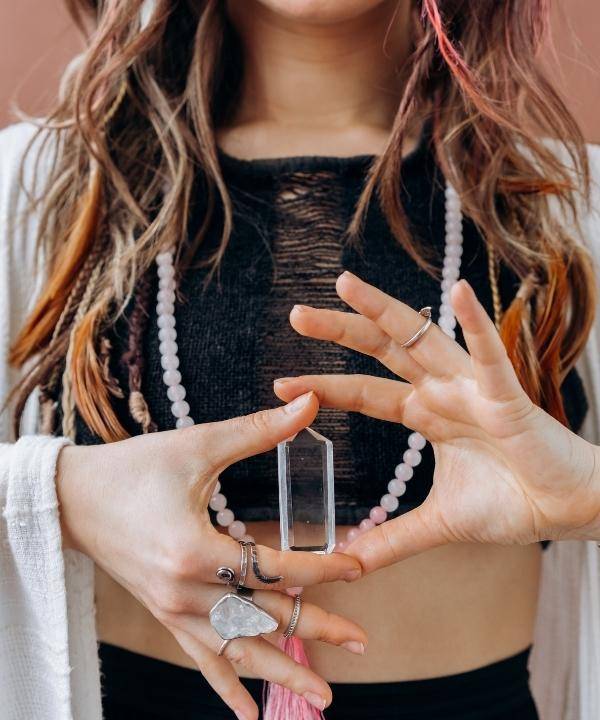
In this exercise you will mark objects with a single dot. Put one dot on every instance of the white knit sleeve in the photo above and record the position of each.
(34, 648)
(48, 654)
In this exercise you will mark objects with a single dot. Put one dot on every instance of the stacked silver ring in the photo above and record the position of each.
(236, 615)
(291, 628)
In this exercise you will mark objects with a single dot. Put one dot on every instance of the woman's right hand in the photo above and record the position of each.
(139, 509)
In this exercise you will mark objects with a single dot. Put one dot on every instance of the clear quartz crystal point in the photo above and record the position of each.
(306, 494)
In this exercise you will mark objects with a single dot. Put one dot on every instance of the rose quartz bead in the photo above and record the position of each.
(366, 524)
(225, 517)
(165, 296)
(165, 321)
(180, 408)
(353, 533)
(175, 392)
(450, 273)
(397, 487)
(378, 515)
(165, 308)
(172, 377)
(169, 362)
(184, 422)
(237, 529)
(218, 502)
(341, 546)
(164, 258)
(167, 333)
(403, 472)
(166, 270)
(168, 347)
(412, 457)
(389, 503)
(416, 441)
(447, 324)
(166, 285)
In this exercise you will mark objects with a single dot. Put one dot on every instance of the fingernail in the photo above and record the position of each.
(355, 647)
(352, 575)
(293, 591)
(240, 715)
(301, 308)
(346, 274)
(281, 381)
(298, 404)
(315, 700)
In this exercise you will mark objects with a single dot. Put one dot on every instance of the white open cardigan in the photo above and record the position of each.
(48, 652)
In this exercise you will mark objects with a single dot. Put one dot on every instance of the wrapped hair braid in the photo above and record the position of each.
(60, 340)
(67, 398)
(133, 358)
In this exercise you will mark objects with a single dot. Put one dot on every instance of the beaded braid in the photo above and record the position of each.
(133, 358)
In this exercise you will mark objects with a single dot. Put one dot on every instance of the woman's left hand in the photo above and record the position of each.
(506, 472)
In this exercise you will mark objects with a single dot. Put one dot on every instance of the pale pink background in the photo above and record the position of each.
(37, 39)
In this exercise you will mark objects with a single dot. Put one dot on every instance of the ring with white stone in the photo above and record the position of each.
(291, 628)
(426, 313)
(235, 615)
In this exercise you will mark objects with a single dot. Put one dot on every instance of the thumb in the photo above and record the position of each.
(239, 438)
(397, 539)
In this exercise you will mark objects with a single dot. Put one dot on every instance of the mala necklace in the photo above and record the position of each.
(180, 408)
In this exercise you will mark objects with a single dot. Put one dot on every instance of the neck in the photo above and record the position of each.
(334, 75)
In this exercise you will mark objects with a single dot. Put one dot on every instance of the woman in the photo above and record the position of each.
(210, 165)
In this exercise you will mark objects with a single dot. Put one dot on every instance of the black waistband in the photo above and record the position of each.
(138, 686)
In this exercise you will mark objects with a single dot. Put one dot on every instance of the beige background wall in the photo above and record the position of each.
(37, 40)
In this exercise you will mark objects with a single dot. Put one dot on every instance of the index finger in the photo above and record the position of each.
(434, 351)
(297, 568)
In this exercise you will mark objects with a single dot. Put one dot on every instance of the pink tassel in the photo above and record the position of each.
(279, 703)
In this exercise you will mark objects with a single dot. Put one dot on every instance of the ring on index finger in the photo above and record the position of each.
(426, 313)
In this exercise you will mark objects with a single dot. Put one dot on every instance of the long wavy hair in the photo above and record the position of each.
(134, 129)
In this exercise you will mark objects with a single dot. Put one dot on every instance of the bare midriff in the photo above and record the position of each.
(447, 611)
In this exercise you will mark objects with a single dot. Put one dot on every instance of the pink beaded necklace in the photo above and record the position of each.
(416, 442)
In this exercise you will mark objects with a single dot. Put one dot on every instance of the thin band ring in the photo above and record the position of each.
(243, 564)
(224, 644)
(426, 313)
(291, 628)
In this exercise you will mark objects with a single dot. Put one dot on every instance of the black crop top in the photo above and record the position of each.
(288, 247)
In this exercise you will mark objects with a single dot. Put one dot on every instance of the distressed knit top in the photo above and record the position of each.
(288, 246)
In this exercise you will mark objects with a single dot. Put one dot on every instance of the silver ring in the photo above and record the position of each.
(426, 313)
(224, 644)
(243, 564)
(291, 628)
(266, 579)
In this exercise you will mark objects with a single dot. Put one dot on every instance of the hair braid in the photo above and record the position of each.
(60, 340)
(67, 397)
(133, 358)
